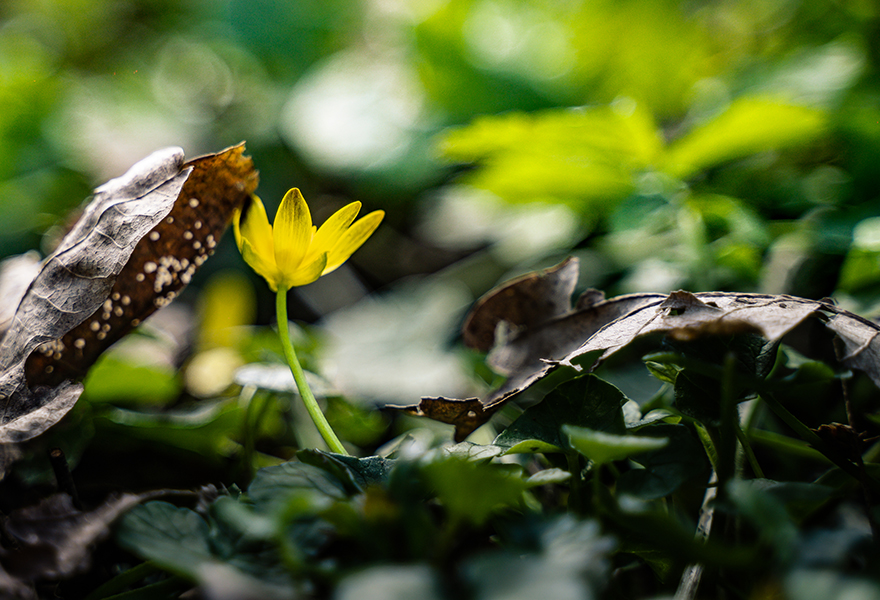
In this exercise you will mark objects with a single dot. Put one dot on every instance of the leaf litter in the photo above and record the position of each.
(529, 328)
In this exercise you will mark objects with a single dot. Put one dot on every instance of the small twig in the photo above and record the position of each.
(693, 573)
(63, 478)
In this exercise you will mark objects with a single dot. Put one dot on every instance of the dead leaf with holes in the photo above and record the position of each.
(532, 336)
(136, 245)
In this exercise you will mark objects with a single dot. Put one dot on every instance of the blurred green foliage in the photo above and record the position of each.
(702, 145)
(742, 131)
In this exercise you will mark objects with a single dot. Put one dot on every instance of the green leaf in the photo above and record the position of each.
(748, 126)
(383, 582)
(567, 560)
(113, 379)
(177, 539)
(813, 384)
(664, 371)
(585, 402)
(296, 488)
(546, 476)
(583, 157)
(182, 542)
(800, 499)
(472, 491)
(472, 451)
(602, 448)
(697, 394)
(360, 472)
(666, 468)
(205, 429)
(532, 446)
(766, 513)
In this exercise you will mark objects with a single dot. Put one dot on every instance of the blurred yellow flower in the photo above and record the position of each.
(295, 252)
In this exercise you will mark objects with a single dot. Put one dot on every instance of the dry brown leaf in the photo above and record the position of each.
(526, 346)
(603, 327)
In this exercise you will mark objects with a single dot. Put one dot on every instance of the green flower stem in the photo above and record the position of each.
(300, 378)
(575, 483)
(750, 454)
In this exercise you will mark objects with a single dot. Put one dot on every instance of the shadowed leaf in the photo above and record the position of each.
(54, 539)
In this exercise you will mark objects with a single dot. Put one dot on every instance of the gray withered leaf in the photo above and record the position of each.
(850, 340)
(597, 328)
(137, 243)
(528, 323)
(54, 539)
(16, 274)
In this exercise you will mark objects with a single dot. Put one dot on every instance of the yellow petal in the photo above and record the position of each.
(334, 228)
(307, 273)
(264, 268)
(293, 232)
(254, 228)
(356, 235)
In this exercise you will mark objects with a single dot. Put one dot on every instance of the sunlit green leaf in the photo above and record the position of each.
(578, 157)
(748, 126)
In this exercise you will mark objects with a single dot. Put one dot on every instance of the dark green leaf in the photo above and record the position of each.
(667, 468)
(359, 472)
(296, 488)
(174, 538)
(570, 562)
(766, 512)
(472, 491)
(584, 402)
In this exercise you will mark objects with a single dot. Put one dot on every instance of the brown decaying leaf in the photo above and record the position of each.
(523, 303)
(526, 351)
(606, 326)
(137, 244)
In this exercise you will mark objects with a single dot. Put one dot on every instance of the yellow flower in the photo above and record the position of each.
(295, 252)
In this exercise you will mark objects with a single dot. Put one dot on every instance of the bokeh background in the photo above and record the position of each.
(729, 145)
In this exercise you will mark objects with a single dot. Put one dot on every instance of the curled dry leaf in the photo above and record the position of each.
(138, 242)
(686, 316)
(524, 346)
(598, 327)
